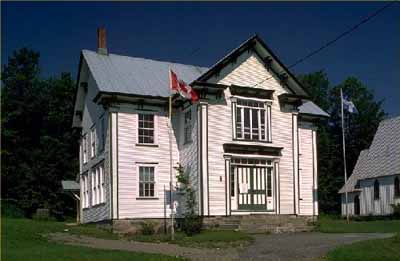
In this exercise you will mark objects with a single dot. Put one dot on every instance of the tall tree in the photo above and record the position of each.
(360, 130)
(38, 144)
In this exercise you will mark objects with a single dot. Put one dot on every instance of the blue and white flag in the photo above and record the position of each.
(349, 105)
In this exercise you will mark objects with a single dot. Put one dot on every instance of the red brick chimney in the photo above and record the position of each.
(101, 40)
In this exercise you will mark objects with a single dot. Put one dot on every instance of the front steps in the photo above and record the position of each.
(261, 223)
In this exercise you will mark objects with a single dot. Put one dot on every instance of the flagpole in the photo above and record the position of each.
(344, 157)
(171, 186)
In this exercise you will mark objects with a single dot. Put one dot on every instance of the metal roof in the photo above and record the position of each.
(381, 159)
(70, 185)
(130, 75)
(309, 107)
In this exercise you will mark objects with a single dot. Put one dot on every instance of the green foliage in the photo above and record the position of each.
(148, 228)
(396, 210)
(38, 144)
(23, 239)
(360, 129)
(10, 209)
(191, 223)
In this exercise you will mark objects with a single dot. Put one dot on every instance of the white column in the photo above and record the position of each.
(277, 188)
(203, 157)
(315, 172)
(228, 186)
(114, 164)
(295, 136)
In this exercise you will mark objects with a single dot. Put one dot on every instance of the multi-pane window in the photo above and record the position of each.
(85, 190)
(146, 181)
(188, 126)
(251, 121)
(102, 135)
(396, 187)
(84, 145)
(93, 142)
(376, 189)
(146, 128)
(94, 187)
(98, 186)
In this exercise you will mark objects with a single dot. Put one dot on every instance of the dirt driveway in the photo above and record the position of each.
(277, 247)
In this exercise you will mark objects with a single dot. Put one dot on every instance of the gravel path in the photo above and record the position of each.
(277, 247)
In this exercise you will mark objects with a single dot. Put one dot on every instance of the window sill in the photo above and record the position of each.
(244, 140)
(147, 198)
(146, 145)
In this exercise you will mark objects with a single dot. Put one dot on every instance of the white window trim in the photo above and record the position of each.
(156, 184)
(93, 186)
(190, 126)
(85, 148)
(85, 190)
(156, 116)
(93, 142)
(98, 185)
(267, 119)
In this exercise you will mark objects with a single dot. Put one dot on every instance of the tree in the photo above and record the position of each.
(38, 143)
(360, 130)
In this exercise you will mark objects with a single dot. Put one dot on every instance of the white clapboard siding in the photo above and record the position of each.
(370, 206)
(91, 116)
(248, 71)
(305, 171)
(130, 156)
(381, 206)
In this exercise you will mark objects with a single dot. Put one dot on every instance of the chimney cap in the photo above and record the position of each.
(101, 40)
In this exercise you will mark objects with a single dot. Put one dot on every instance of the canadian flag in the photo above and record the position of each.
(180, 86)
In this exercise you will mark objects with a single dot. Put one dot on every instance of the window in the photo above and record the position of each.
(84, 143)
(376, 189)
(146, 181)
(102, 184)
(146, 128)
(396, 187)
(232, 181)
(93, 142)
(269, 182)
(252, 121)
(85, 190)
(188, 126)
(94, 187)
(102, 136)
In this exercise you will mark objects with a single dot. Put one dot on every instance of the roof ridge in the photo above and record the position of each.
(148, 59)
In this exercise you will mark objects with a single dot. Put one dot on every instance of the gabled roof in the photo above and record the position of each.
(266, 54)
(381, 159)
(131, 75)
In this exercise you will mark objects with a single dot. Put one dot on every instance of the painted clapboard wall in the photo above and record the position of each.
(91, 117)
(130, 156)
(369, 205)
(248, 71)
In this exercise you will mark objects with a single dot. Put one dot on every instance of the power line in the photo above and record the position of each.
(337, 38)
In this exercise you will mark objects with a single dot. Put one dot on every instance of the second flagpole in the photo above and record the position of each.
(344, 156)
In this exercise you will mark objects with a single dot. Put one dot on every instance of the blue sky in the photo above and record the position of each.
(200, 33)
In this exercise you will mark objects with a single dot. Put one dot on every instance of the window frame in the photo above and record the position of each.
(376, 190)
(187, 126)
(85, 190)
(396, 187)
(102, 136)
(93, 141)
(154, 129)
(85, 147)
(263, 112)
(155, 181)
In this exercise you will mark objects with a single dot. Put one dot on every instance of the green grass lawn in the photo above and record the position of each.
(371, 250)
(328, 224)
(21, 240)
(207, 238)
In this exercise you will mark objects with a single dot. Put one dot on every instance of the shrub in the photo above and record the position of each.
(192, 225)
(9, 208)
(148, 228)
(396, 210)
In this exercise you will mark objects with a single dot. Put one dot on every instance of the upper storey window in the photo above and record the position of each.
(252, 120)
(146, 129)
(188, 126)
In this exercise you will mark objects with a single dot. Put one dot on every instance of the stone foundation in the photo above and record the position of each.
(256, 223)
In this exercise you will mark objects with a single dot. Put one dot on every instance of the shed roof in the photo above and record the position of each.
(381, 159)
(70, 185)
